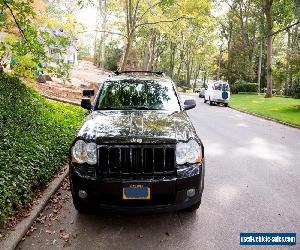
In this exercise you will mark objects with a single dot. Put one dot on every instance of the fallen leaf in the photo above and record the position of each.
(66, 237)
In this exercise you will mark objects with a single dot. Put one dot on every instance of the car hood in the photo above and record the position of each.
(137, 126)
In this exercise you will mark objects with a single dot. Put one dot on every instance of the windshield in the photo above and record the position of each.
(137, 94)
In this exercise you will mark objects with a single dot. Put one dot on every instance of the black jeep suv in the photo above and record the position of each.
(137, 150)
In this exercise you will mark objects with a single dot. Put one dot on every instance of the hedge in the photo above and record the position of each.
(243, 87)
(35, 135)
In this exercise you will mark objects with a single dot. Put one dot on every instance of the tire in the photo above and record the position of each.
(204, 100)
(225, 104)
(82, 207)
(193, 207)
(210, 102)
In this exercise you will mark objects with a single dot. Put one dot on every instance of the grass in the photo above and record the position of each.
(279, 108)
(35, 136)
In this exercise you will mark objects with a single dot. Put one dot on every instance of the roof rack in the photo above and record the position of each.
(160, 73)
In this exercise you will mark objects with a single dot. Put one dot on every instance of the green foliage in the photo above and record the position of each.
(35, 135)
(242, 86)
(35, 37)
(296, 88)
(113, 56)
(24, 67)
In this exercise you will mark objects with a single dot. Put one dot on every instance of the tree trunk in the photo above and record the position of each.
(172, 58)
(259, 66)
(288, 64)
(268, 13)
(147, 49)
(130, 29)
(126, 53)
(204, 79)
(152, 52)
(189, 66)
(197, 71)
(180, 65)
(229, 68)
(219, 63)
(103, 35)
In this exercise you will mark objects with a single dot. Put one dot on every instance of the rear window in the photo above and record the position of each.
(137, 94)
(222, 87)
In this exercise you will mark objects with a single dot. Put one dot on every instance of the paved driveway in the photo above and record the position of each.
(252, 185)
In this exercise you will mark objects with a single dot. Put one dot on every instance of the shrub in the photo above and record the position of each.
(35, 135)
(296, 88)
(243, 87)
(113, 56)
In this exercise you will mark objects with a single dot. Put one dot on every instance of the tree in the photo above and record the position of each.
(267, 9)
(30, 35)
(136, 13)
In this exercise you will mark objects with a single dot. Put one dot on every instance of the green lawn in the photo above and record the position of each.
(279, 108)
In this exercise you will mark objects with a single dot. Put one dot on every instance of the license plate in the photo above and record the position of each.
(136, 192)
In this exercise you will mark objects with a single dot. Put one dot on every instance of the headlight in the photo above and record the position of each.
(85, 152)
(91, 153)
(188, 152)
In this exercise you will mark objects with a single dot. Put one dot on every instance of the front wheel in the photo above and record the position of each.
(80, 206)
(210, 102)
(205, 100)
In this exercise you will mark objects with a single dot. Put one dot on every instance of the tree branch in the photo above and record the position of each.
(152, 6)
(163, 21)
(283, 29)
(135, 12)
(104, 31)
(16, 22)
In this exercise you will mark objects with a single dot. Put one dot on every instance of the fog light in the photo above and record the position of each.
(82, 194)
(190, 192)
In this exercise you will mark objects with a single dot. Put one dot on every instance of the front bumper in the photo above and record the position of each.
(167, 193)
(221, 100)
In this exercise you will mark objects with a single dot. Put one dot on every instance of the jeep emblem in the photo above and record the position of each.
(136, 140)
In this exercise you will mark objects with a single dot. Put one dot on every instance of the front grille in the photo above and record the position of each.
(136, 159)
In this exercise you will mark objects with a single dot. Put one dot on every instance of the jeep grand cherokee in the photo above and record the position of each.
(137, 150)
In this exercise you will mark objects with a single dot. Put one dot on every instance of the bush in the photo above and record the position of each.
(243, 87)
(35, 135)
(113, 56)
(296, 88)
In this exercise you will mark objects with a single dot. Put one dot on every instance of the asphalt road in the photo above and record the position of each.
(252, 184)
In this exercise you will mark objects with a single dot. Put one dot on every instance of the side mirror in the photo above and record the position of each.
(189, 104)
(86, 103)
(88, 92)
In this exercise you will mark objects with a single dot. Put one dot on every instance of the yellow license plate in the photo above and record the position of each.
(136, 192)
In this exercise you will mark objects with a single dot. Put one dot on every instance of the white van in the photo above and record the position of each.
(217, 92)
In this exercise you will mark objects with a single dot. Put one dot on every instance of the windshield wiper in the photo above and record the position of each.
(127, 108)
(142, 108)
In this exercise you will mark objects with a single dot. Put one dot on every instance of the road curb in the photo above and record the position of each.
(266, 118)
(61, 100)
(15, 236)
